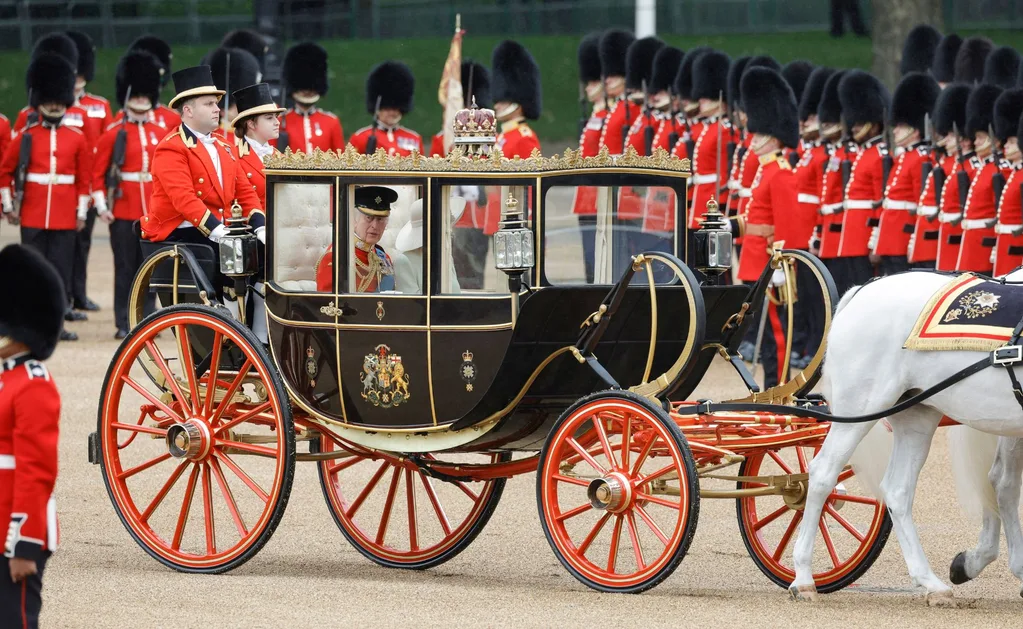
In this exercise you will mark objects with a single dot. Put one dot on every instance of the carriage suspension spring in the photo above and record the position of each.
(425, 468)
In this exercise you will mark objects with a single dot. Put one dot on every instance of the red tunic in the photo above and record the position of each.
(5, 133)
(621, 117)
(75, 117)
(162, 116)
(710, 163)
(830, 221)
(747, 172)
(585, 202)
(636, 137)
(891, 236)
(325, 271)
(314, 129)
(809, 175)
(29, 432)
(950, 234)
(862, 201)
(979, 217)
(1009, 247)
(923, 244)
(59, 176)
(669, 124)
(516, 139)
(136, 172)
(97, 114)
(252, 165)
(774, 192)
(437, 145)
(395, 141)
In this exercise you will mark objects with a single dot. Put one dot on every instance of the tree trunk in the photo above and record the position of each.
(892, 21)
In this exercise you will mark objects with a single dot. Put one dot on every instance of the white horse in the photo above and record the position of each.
(866, 371)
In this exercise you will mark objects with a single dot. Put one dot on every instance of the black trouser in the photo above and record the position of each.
(773, 341)
(20, 602)
(57, 246)
(890, 265)
(849, 272)
(838, 10)
(83, 243)
(588, 230)
(470, 256)
(808, 316)
(127, 260)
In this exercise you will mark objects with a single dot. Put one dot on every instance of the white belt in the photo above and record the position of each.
(745, 193)
(46, 178)
(704, 179)
(1007, 229)
(144, 177)
(977, 223)
(948, 217)
(6, 461)
(808, 198)
(927, 210)
(898, 205)
(733, 184)
(858, 204)
(831, 208)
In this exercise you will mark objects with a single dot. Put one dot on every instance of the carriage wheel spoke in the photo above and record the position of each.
(651, 524)
(644, 453)
(781, 462)
(211, 379)
(410, 498)
(386, 516)
(846, 475)
(231, 390)
(240, 473)
(366, 490)
(592, 535)
(188, 366)
(655, 475)
(232, 506)
(863, 500)
(468, 492)
(582, 482)
(585, 455)
(186, 508)
(583, 508)
(143, 466)
(626, 436)
(207, 505)
(771, 517)
(634, 536)
(598, 425)
(160, 495)
(437, 508)
(251, 448)
(657, 500)
(149, 430)
(244, 417)
(161, 363)
(616, 539)
(860, 537)
(784, 542)
(801, 455)
(822, 525)
(344, 464)
(173, 415)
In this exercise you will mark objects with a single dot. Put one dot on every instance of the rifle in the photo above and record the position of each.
(962, 177)
(371, 143)
(227, 90)
(628, 122)
(584, 108)
(998, 179)
(21, 172)
(648, 130)
(887, 161)
(113, 176)
(730, 147)
(718, 187)
(928, 165)
(673, 136)
(847, 163)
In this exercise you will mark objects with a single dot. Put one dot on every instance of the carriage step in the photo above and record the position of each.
(744, 373)
(94, 454)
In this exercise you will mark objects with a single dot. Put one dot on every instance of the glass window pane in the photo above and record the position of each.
(303, 226)
(387, 232)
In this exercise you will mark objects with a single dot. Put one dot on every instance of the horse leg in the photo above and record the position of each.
(838, 447)
(1006, 476)
(969, 563)
(913, 431)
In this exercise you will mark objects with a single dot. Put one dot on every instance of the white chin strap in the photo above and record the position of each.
(507, 111)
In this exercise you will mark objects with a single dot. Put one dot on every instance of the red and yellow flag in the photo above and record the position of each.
(449, 93)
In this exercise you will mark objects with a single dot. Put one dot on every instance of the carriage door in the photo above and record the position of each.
(382, 318)
(471, 317)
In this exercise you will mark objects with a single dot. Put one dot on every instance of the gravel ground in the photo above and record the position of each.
(308, 575)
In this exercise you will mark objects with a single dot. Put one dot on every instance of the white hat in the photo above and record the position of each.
(411, 235)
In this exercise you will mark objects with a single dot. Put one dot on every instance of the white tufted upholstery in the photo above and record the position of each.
(303, 231)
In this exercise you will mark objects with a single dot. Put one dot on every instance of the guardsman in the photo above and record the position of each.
(710, 156)
(251, 42)
(971, 59)
(163, 115)
(980, 209)
(614, 45)
(75, 116)
(30, 322)
(944, 66)
(739, 140)
(123, 167)
(518, 97)
(912, 101)
(796, 74)
(689, 109)
(664, 99)
(1008, 252)
(1001, 67)
(747, 168)
(584, 205)
(58, 167)
(374, 271)
(196, 178)
(772, 120)
(475, 88)
(829, 226)
(5, 134)
(865, 101)
(233, 69)
(639, 65)
(257, 123)
(389, 90)
(306, 127)
(953, 193)
(919, 49)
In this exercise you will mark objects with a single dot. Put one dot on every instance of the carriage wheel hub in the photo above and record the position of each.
(189, 440)
(610, 493)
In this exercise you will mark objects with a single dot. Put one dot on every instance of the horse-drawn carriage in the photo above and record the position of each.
(567, 359)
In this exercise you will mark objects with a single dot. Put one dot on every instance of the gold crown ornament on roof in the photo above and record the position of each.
(475, 129)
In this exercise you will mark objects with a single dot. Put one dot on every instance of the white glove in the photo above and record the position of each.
(875, 234)
(993, 251)
(83, 207)
(218, 233)
(778, 278)
(261, 234)
(99, 201)
(6, 200)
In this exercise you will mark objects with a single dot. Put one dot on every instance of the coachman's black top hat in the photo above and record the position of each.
(192, 82)
(254, 100)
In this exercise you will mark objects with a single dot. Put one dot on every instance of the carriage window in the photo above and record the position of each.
(472, 215)
(387, 229)
(591, 233)
(303, 233)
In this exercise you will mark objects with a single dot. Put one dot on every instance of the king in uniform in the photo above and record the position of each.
(374, 271)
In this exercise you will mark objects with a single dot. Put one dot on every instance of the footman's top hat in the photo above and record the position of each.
(192, 82)
(254, 100)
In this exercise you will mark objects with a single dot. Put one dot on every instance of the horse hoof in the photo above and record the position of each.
(957, 571)
(803, 593)
(942, 598)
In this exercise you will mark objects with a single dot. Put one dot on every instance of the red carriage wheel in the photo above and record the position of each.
(199, 462)
(397, 515)
(617, 492)
(852, 532)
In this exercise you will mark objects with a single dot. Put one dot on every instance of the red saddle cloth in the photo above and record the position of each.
(969, 313)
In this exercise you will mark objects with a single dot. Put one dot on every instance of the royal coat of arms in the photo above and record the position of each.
(384, 381)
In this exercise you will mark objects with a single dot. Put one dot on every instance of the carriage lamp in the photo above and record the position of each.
(239, 248)
(513, 242)
(712, 243)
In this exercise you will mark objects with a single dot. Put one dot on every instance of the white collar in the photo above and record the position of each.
(205, 138)
(11, 361)
(261, 150)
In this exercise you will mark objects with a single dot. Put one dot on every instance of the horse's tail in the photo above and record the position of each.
(870, 459)
(972, 453)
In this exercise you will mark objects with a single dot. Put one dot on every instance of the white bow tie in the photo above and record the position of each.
(206, 139)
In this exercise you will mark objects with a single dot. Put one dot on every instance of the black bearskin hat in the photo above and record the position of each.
(139, 70)
(863, 97)
(734, 74)
(919, 48)
(1002, 67)
(50, 78)
(770, 105)
(759, 61)
(710, 76)
(944, 66)
(797, 73)
(914, 100)
(248, 40)
(969, 64)
(1008, 109)
(613, 46)
(813, 91)
(829, 110)
(950, 110)
(232, 69)
(589, 58)
(158, 48)
(86, 55)
(666, 63)
(684, 76)
(639, 62)
(980, 108)
(33, 312)
(516, 78)
(479, 86)
(392, 82)
(57, 43)
(305, 68)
